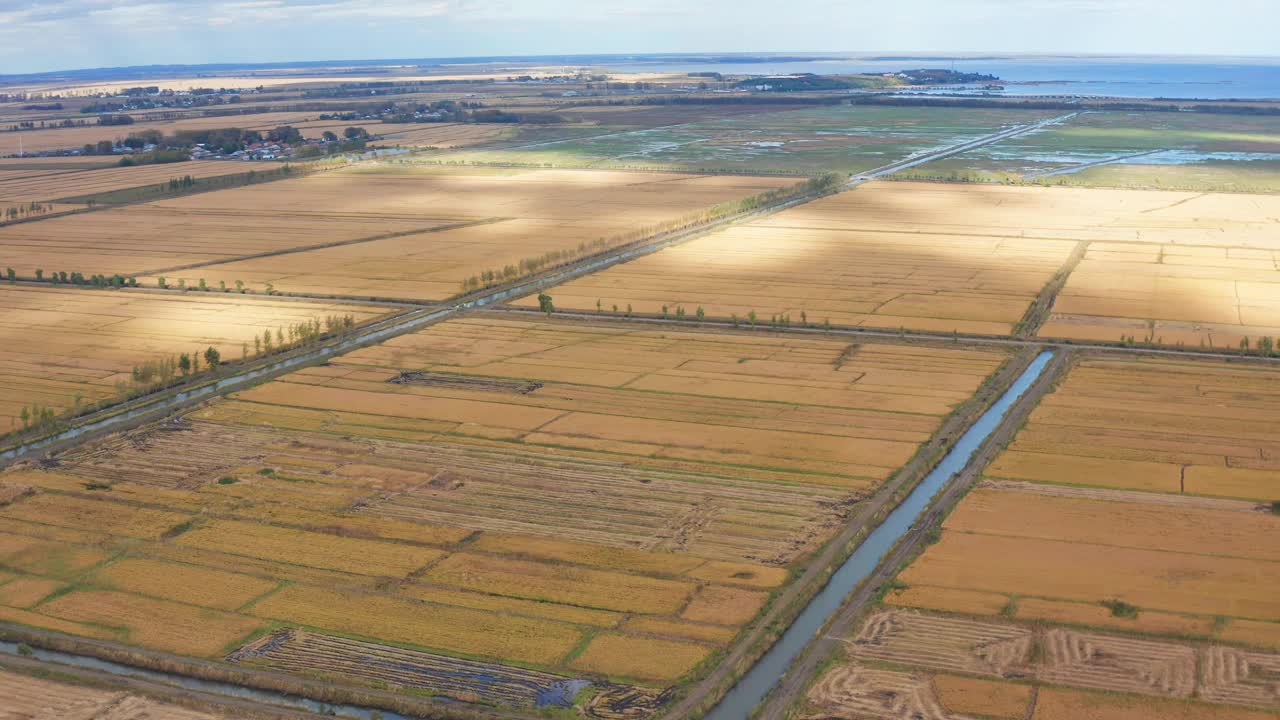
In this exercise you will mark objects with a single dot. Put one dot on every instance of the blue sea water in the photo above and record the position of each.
(1146, 77)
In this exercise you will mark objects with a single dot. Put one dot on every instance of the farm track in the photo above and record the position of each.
(921, 336)
(792, 685)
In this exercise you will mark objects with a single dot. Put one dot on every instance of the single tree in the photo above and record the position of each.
(184, 364)
(545, 304)
(212, 358)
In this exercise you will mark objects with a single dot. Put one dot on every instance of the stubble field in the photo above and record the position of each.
(970, 259)
(1091, 557)
(593, 503)
(57, 345)
(24, 182)
(517, 214)
(26, 697)
(1195, 296)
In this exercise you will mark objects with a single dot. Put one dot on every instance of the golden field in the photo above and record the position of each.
(1170, 426)
(90, 340)
(1094, 556)
(152, 238)
(589, 500)
(1171, 295)
(46, 182)
(960, 257)
(518, 214)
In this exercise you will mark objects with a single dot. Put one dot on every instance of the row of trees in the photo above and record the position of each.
(1263, 346)
(75, 278)
(530, 265)
(31, 209)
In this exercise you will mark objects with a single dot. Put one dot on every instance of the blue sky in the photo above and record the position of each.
(60, 34)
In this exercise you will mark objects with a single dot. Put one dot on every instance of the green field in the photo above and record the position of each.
(1195, 151)
(840, 138)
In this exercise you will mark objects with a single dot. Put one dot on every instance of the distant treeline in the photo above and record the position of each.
(1038, 104)
(717, 100)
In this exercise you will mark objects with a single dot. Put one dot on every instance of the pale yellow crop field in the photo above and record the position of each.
(1168, 426)
(50, 182)
(57, 344)
(138, 239)
(519, 215)
(1170, 295)
(956, 257)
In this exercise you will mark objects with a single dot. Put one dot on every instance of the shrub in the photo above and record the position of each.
(1120, 608)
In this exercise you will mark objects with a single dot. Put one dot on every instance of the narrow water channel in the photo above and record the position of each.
(756, 684)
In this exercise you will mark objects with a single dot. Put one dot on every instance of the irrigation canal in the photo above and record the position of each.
(761, 678)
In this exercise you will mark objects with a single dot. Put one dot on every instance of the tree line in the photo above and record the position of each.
(160, 373)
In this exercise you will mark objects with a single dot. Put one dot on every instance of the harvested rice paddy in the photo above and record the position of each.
(25, 181)
(57, 345)
(570, 510)
(32, 697)
(509, 216)
(970, 259)
(1211, 297)
(1185, 428)
(1078, 564)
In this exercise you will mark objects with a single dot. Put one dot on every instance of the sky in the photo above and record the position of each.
(65, 34)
